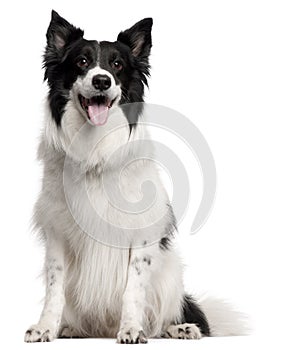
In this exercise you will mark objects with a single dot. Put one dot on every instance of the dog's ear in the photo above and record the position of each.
(138, 38)
(61, 32)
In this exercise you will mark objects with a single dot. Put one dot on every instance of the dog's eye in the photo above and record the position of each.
(82, 63)
(117, 65)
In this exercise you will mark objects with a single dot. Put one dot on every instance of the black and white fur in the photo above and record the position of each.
(92, 289)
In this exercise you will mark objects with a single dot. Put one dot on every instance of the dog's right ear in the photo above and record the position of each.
(61, 32)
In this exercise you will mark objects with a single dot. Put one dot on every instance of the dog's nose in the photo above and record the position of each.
(101, 82)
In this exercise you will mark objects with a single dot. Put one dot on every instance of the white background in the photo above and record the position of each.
(217, 62)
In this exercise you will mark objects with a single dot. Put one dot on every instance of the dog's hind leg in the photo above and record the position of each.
(194, 322)
(69, 327)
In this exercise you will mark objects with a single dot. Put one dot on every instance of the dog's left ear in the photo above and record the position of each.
(138, 38)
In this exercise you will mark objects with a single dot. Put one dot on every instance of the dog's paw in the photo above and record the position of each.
(68, 332)
(38, 333)
(183, 331)
(131, 335)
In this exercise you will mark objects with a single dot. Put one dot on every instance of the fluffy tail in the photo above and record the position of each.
(223, 319)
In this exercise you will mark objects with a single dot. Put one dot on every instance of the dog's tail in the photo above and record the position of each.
(223, 318)
(214, 317)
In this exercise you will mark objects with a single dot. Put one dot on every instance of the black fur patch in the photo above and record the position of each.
(192, 313)
(166, 240)
(165, 243)
(147, 259)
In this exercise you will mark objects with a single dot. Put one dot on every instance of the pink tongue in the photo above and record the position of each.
(98, 114)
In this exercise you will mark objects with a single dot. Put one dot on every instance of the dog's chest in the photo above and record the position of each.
(96, 278)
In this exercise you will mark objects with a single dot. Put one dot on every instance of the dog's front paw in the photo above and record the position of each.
(39, 333)
(131, 335)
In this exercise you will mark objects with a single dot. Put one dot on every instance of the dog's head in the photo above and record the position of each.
(95, 75)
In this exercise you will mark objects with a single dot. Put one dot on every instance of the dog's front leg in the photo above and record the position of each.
(134, 298)
(47, 327)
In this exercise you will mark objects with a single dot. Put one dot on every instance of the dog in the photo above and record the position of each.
(124, 279)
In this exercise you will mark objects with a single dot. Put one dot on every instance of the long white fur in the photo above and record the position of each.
(223, 318)
(93, 288)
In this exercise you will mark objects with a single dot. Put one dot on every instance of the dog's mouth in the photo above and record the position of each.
(96, 108)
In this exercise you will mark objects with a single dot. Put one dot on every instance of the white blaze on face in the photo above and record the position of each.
(94, 102)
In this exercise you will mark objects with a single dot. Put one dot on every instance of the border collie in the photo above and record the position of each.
(124, 284)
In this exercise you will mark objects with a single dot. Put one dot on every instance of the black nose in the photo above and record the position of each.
(101, 82)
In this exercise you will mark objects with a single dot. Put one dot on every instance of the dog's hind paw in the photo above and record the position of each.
(68, 332)
(183, 331)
